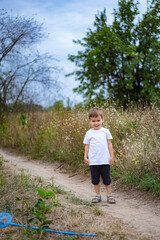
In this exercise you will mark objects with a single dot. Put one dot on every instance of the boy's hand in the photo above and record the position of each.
(86, 161)
(110, 147)
(111, 161)
(86, 154)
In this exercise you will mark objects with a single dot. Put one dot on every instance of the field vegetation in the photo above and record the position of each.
(36, 203)
(57, 135)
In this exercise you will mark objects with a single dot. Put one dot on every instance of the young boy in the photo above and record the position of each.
(99, 154)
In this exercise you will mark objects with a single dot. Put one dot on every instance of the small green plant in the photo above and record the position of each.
(40, 211)
(129, 128)
(42, 208)
(2, 181)
(60, 190)
(150, 182)
(2, 175)
(39, 214)
(97, 211)
(25, 180)
(1, 162)
(24, 119)
(79, 201)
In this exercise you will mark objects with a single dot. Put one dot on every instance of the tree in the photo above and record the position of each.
(121, 60)
(22, 68)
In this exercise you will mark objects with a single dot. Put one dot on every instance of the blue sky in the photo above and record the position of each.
(64, 20)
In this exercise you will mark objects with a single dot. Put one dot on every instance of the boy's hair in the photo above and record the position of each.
(95, 112)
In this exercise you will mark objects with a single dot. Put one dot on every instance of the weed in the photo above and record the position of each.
(79, 201)
(122, 237)
(1, 161)
(97, 211)
(59, 190)
(26, 181)
(38, 214)
(23, 119)
(150, 183)
(2, 181)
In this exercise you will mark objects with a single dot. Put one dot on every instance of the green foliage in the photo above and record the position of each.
(38, 215)
(2, 181)
(33, 206)
(58, 105)
(24, 119)
(1, 162)
(40, 211)
(79, 201)
(121, 60)
(42, 208)
(116, 173)
(150, 182)
(2, 176)
(97, 211)
(130, 126)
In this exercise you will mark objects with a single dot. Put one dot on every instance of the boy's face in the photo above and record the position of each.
(96, 122)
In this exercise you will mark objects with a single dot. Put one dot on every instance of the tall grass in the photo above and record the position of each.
(58, 136)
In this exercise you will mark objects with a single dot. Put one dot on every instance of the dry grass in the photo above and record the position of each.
(58, 136)
(72, 214)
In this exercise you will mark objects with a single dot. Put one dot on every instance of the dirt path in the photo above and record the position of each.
(134, 210)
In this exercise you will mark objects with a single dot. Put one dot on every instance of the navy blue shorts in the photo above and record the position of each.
(98, 171)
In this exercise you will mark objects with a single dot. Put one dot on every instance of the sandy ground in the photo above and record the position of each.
(134, 209)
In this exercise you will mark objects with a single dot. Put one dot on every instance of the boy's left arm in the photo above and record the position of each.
(110, 148)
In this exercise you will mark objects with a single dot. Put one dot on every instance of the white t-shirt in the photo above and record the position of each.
(98, 147)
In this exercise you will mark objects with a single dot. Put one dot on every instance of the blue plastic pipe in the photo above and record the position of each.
(49, 230)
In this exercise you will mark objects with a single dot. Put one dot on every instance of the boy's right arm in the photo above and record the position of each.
(86, 154)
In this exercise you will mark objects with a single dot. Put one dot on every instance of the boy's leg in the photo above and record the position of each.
(108, 188)
(97, 189)
(97, 198)
(105, 173)
(110, 199)
(95, 176)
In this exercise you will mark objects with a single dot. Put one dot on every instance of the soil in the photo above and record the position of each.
(136, 209)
